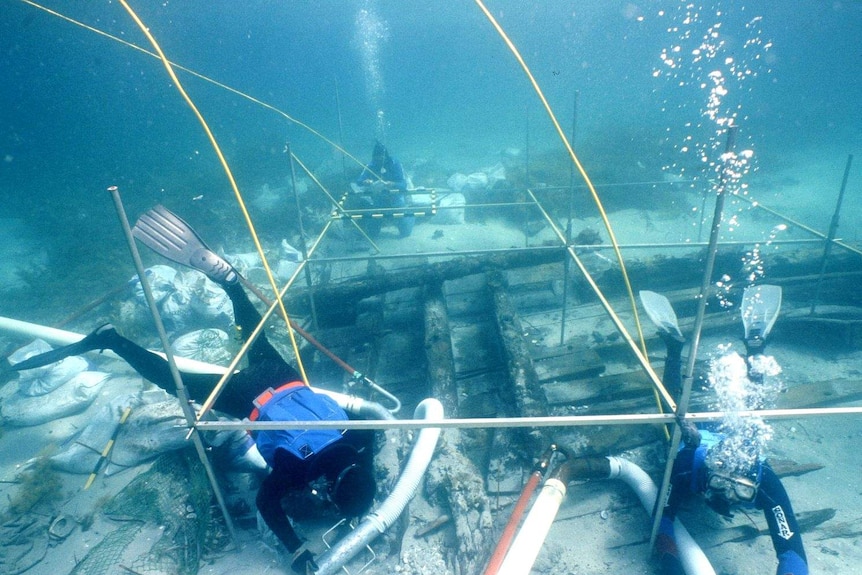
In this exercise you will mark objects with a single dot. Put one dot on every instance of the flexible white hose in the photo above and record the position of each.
(526, 546)
(405, 488)
(57, 337)
(693, 559)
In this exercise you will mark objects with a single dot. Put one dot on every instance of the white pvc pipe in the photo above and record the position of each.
(405, 488)
(693, 559)
(526, 546)
(58, 337)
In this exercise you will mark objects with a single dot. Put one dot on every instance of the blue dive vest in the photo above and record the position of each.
(297, 403)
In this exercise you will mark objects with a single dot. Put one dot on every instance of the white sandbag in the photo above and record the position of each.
(475, 182)
(451, 209)
(209, 300)
(74, 396)
(42, 380)
(46, 379)
(35, 347)
(245, 262)
(456, 181)
(289, 261)
(207, 345)
(161, 278)
(289, 252)
(495, 173)
(176, 307)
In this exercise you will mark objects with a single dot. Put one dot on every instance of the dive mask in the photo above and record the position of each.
(740, 489)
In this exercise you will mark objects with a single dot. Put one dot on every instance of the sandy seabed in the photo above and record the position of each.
(600, 527)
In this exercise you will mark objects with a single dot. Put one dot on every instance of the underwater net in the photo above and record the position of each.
(173, 495)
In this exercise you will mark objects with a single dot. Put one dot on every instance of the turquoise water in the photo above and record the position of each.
(81, 112)
(648, 89)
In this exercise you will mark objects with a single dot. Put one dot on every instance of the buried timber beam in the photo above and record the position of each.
(453, 476)
(438, 350)
(353, 290)
(522, 391)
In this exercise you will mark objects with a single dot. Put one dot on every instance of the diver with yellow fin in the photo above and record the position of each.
(269, 389)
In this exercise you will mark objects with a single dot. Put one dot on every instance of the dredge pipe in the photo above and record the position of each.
(383, 517)
(521, 556)
(693, 559)
(517, 512)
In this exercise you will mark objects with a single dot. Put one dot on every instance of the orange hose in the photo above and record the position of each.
(514, 520)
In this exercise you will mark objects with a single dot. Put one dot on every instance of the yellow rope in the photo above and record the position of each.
(169, 65)
(581, 170)
(200, 76)
(230, 178)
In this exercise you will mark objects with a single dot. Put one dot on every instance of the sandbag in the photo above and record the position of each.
(474, 182)
(288, 262)
(42, 380)
(207, 345)
(161, 279)
(452, 209)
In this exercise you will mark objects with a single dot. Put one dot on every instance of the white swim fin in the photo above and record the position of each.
(661, 313)
(760, 305)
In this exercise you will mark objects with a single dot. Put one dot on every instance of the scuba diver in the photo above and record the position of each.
(382, 185)
(705, 463)
(268, 389)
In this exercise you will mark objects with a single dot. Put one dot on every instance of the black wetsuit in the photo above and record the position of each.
(266, 369)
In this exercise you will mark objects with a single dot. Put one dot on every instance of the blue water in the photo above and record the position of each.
(80, 112)
(432, 79)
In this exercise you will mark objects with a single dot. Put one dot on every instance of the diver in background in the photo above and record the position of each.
(382, 184)
(701, 466)
(269, 389)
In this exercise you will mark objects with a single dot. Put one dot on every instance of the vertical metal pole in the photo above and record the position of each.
(833, 229)
(185, 403)
(567, 261)
(682, 406)
(302, 239)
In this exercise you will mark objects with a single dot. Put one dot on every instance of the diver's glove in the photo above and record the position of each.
(303, 561)
(690, 432)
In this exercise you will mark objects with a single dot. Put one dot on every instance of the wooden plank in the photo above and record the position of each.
(475, 347)
(610, 388)
(821, 393)
(478, 396)
(566, 363)
(438, 350)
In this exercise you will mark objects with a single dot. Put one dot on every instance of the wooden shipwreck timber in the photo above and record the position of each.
(510, 335)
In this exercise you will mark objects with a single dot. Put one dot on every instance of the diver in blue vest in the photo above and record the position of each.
(382, 184)
(705, 462)
(268, 389)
